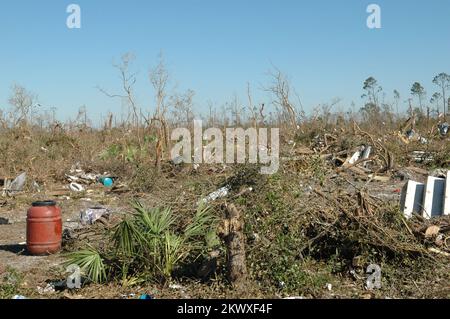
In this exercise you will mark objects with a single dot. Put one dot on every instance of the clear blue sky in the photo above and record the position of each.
(216, 47)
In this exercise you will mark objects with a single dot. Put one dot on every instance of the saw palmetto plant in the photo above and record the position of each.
(150, 242)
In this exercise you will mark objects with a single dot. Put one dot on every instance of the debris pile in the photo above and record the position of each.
(79, 179)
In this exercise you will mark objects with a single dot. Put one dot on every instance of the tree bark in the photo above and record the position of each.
(235, 242)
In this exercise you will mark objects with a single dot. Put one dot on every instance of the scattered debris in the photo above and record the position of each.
(255, 237)
(15, 186)
(4, 221)
(220, 193)
(77, 177)
(443, 128)
(18, 184)
(75, 187)
(362, 154)
(76, 174)
(421, 157)
(49, 289)
(410, 134)
(36, 187)
(93, 214)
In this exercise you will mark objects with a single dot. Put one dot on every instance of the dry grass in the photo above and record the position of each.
(305, 226)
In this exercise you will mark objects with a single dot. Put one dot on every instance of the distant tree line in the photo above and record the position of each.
(375, 97)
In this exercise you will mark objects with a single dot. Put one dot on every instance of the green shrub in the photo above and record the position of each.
(149, 243)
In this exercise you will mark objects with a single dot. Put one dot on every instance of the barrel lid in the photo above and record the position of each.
(44, 203)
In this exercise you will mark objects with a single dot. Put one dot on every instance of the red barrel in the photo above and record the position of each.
(44, 228)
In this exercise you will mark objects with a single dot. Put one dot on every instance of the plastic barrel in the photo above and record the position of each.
(44, 228)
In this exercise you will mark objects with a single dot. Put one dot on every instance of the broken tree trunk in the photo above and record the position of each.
(235, 242)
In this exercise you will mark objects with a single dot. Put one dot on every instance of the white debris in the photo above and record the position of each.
(443, 128)
(220, 193)
(49, 289)
(421, 157)
(362, 153)
(434, 197)
(91, 215)
(412, 198)
(36, 187)
(75, 187)
(76, 174)
(18, 184)
(356, 156)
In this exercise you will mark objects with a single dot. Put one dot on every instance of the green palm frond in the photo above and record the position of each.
(128, 237)
(90, 262)
(200, 224)
(157, 221)
(173, 253)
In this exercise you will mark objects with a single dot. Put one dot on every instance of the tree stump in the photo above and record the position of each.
(235, 242)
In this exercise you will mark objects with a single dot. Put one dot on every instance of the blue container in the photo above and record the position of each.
(107, 181)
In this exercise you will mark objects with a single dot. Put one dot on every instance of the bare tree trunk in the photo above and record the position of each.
(443, 97)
